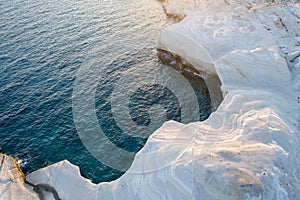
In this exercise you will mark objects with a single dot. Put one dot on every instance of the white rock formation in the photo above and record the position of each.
(249, 148)
(12, 184)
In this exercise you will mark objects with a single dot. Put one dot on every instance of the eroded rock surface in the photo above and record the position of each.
(12, 184)
(249, 148)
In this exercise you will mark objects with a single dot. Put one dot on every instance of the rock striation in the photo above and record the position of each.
(12, 185)
(249, 148)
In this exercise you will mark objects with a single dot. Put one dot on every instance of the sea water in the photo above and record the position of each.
(46, 45)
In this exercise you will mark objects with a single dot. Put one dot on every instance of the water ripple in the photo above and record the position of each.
(43, 45)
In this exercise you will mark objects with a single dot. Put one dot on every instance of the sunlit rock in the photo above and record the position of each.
(249, 148)
(12, 184)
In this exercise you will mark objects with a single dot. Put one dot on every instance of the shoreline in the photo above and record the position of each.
(12, 180)
(232, 161)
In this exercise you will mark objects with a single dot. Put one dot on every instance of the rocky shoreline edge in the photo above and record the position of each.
(248, 148)
(13, 183)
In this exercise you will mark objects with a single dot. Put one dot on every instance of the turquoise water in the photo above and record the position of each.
(43, 45)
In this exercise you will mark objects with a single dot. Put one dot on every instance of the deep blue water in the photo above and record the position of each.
(43, 45)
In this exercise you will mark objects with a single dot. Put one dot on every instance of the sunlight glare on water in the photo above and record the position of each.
(44, 45)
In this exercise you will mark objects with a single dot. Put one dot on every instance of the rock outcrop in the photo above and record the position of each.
(12, 185)
(249, 148)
